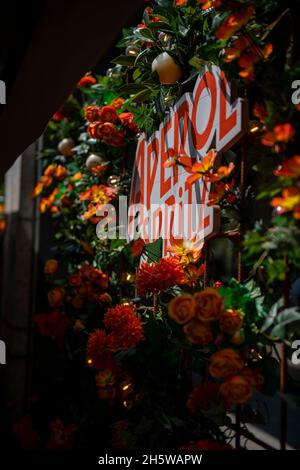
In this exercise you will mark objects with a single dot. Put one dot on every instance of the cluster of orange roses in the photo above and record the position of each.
(206, 322)
(89, 284)
(108, 125)
(123, 330)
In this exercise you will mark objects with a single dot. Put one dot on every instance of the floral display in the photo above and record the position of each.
(160, 351)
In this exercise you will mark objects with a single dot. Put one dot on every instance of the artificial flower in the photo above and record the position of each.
(100, 349)
(125, 325)
(87, 80)
(236, 390)
(181, 308)
(230, 321)
(51, 266)
(56, 296)
(290, 201)
(157, 277)
(234, 22)
(202, 169)
(203, 397)
(225, 363)
(108, 114)
(290, 168)
(117, 103)
(91, 113)
(208, 305)
(198, 332)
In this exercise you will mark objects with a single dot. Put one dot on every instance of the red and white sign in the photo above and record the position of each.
(210, 117)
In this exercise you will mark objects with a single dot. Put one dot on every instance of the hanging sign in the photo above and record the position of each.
(163, 204)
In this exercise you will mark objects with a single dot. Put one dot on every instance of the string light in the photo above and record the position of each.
(126, 387)
(90, 361)
(113, 181)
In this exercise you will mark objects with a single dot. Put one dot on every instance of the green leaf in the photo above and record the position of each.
(154, 250)
(126, 60)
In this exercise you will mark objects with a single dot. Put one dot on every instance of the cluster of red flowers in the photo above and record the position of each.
(158, 277)
(96, 195)
(108, 125)
(124, 331)
(54, 324)
(89, 284)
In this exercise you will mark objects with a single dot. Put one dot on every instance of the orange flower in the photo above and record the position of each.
(105, 298)
(46, 180)
(198, 332)
(192, 274)
(233, 52)
(77, 176)
(203, 396)
(126, 118)
(117, 139)
(37, 189)
(51, 266)
(87, 80)
(94, 130)
(225, 363)
(186, 251)
(75, 280)
(208, 305)
(100, 349)
(99, 278)
(231, 321)
(50, 170)
(206, 4)
(108, 114)
(56, 296)
(91, 113)
(290, 168)
(259, 111)
(253, 377)
(234, 22)
(202, 169)
(126, 326)
(281, 133)
(290, 201)
(61, 172)
(181, 308)
(220, 190)
(236, 389)
(221, 173)
(117, 103)
(157, 277)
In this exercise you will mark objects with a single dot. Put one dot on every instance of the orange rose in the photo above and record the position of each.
(236, 390)
(94, 130)
(108, 114)
(117, 139)
(181, 308)
(126, 118)
(231, 321)
(208, 305)
(56, 296)
(51, 266)
(105, 298)
(254, 377)
(225, 363)
(46, 180)
(198, 332)
(117, 103)
(106, 130)
(91, 113)
(61, 172)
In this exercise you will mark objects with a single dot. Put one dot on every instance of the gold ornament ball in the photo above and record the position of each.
(168, 71)
(93, 161)
(131, 50)
(65, 147)
(113, 181)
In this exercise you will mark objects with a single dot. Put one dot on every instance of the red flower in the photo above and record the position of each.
(108, 114)
(126, 327)
(117, 139)
(87, 81)
(117, 103)
(126, 118)
(54, 324)
(100, 349)
(281, 133)
(138, 247)
(62, 436)
(91, 113)
(157, 277)
(290, 168)
(203, 396)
